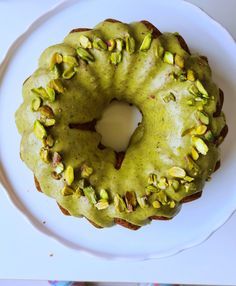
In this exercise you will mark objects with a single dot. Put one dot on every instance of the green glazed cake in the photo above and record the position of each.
(170, 154)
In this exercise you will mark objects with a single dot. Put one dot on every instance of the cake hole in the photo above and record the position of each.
(118, 122)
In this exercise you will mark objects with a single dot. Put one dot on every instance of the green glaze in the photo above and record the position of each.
(143, 79)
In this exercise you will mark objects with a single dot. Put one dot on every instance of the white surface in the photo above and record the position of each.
(217, 255)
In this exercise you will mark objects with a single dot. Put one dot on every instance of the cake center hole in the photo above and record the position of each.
(118, 122)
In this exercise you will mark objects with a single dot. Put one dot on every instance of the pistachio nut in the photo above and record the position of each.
(39, 130)
(201, 89)
(203, 117)
(99, 44)
(130, 44)
(200, 129)
(187, 131)
(119, 44)
(174, 184)
(190, 75)
(156, 204)
(56, 159)
(102, 204)
(119, 203)
(111, 45)
(192, 166)
(56, 84)
(177, 172)
(161, 196)
(193, 90)
(51, 94)
(151, 189)
(194, 153)
(56, 176)
(85, 55)
(36, 103)
(179, 61)
(49, 122)
(172, 204)
(200, 145)
(48, 141)
(77, 193)
(130, 200)
(160, 51)
(56, 71)
(69, 175)
(56, 59)
(152, 179)
(70, 60)
(116, 58)
(142, 201)
(45, 155)
(46, 111)
(168, 58)
(41, 92)
(209, 136)
(104, 194)
(188, 179)
(59, 168)
(146, 44)
(90, 194)
(86, 171)
(162, 184)
(85, 42)
(190, 102)
(169, 97)
(67, 191)
(68, 73)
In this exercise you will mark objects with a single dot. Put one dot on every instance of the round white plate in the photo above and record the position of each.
(197, 220)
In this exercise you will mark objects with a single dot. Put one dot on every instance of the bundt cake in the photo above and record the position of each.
(172, 152)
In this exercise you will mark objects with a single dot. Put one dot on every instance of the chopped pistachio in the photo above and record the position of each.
(48, 141)
(119, 44)
(69, 175)
(156, 204)
(49, 122)
(56, 159)
(201, 89)
(182, 77)
(200, 129)
(36, 103)
(160, 51)
(51, 94)
(190, 75)
(172, 204)
(188, 179)
(77, 193)
(177, 172)
(68, 73)
(85, 42)
(59, 168)
(130, 200)
(193, 90)
(67, 191)
(203, 117)
(86, 171)
(192, 166)
(41, 92)
(200, 145)
(81, 184)
(174, 184)
(39, 130)
(57, 71)
(56, 176)
(152, 179)
(163, 184)
(111, 45)
(209, 136)
(85, 55)
(130, 44)
(99, 44)
(187, 131)
(56, 59)
(190, 102)
(104, 194)
(102, 204)
(169, 97)
(142, 201)
(161, 196)
(45, 155)
(46, 111)
(151, 189)
(179, 61)
(116, 58)
(119, 203)
(70, 60)
(194, 153)
(90, 194)
(168, 58)
(146, 44)
(56, 84)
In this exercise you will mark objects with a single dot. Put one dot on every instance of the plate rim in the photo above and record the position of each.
(20, 206)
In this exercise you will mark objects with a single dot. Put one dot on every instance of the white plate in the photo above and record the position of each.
(197, 220)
